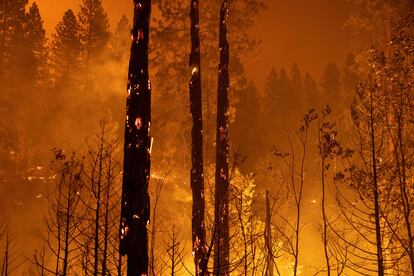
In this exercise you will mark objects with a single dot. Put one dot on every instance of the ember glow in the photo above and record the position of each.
(243, 137)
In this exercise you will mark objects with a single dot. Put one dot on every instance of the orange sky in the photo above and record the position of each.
(52, 10)
(309, 32)
(305, 31)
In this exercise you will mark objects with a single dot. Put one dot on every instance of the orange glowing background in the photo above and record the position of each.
(310, 33)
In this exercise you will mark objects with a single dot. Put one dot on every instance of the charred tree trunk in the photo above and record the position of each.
(68, 219)
(197, 179)
(401, 164)
(135, 212)
(96, 244)
(58, 226)
(377, 215)
(221, 208)
(324, 217)
(106, 217)
(268, 238)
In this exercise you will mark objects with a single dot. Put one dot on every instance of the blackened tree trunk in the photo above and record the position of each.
(329, 148)
(197, 179)
(106, 216)
(221, 208)
(377, 214)
(135, 212)
(98, 185)
(268, 238)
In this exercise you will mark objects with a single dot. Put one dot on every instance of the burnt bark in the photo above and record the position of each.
(106, 216)
(135, 211)
(221, 208)
(268, 238)
(98, 183)
(377, 215)
(196, 174)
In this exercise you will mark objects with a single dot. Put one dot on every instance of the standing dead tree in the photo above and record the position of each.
(329, 148)
(375, 208)
(268, 238)
(64, 216)
(398, 75)
(197, 179)
(159, 186)
(375, 187)
(368, 201)
(96, 179)
(295, 180)
(298, 190)
(10, 261)
(101, 200)
(135, 212)
(175, 252)
(221, 208)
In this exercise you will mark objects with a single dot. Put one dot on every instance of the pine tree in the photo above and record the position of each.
(247, 125)
(65, 51)
(287, 104)
(12, 24)
(350, 77)
(331, 85)
(311, 97)
(297, 81)
(272, 105)
(94, 31)
(34, 69)
(121, 39)
(13, 56)
(297, 91)
(36, 38)
(271, 96)
(22, 43)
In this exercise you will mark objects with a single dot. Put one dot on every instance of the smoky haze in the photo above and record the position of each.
(63, 92)
(311, 33)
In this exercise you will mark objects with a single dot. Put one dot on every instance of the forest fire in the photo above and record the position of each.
(284, 137)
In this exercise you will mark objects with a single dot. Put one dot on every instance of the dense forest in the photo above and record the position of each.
(146, 148)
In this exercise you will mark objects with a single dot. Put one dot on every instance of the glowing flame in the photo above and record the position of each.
(138, 122)
(195, 70)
